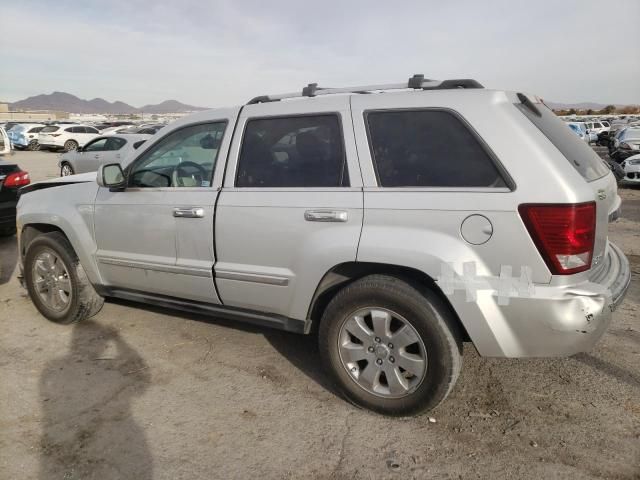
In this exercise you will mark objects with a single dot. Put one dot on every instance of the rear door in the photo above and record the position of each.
(291, 206)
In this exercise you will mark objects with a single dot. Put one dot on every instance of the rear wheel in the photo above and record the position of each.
(56, 282)
(391, 347)
(70, 145)
(66, 170)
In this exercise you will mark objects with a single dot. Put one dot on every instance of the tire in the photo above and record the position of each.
(7, 231)
(33, 146)
(82, 300)
(439, 343)
(66, 169)
(70, 145)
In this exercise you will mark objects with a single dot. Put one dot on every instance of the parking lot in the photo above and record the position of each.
(141, 392)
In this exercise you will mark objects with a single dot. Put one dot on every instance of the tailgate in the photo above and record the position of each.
(605, 191)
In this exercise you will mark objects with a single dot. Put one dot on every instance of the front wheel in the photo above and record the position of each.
(66, 170)
(33, 146)
(391, 347)
(56, 282)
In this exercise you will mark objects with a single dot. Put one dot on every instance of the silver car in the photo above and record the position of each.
(100, 151)
(396, 224)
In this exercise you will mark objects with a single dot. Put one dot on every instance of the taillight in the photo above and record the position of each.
(17, 179)
(564, 234)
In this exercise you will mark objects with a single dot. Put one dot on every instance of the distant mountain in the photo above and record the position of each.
(581, 106)
(66, 102)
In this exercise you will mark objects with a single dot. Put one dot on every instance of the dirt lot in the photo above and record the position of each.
(140, 393)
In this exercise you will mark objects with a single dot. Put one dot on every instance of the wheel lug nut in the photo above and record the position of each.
(379, 361)
(378, 339)
(391, 345)
(353, 369)
(370, 349)
(391, 359)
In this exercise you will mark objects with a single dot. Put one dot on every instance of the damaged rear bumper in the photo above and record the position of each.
(559, 320)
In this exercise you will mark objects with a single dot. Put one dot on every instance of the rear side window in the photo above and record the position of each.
(305, 151)
(428, 148)
(580, 155)
(114, 143)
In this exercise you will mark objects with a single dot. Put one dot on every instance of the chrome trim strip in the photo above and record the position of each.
(194, 272)
(252, 277)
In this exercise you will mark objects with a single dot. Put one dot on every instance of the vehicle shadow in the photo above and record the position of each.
(300, 350)
(8, 258)
(88, 430)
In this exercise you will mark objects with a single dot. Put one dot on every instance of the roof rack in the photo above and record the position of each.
(417, 82)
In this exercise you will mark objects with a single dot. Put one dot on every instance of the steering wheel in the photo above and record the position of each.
(198, 177)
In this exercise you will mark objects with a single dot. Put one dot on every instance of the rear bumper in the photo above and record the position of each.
(557, 320)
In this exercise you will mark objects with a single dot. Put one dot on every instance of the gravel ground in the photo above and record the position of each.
(140, 392)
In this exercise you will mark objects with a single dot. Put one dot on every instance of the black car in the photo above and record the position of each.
(11, 179)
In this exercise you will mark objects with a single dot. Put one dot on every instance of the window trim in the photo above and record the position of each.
(345, 163)
(143, 154)
(508, 180)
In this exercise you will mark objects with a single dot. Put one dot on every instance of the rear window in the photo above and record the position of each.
(575, 150)
(49, 129)
(428, 148)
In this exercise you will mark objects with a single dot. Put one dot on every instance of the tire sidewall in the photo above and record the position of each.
(424, 313)
(38, 245)
(70, 143)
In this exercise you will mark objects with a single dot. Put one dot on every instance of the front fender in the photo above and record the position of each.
(69, 208)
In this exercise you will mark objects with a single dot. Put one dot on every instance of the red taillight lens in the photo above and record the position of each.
(564, 234)
(17, 179)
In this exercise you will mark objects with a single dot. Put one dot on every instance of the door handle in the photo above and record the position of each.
(326, 216)
(189, 212)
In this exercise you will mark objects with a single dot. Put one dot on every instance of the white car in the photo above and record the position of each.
(631, 167)
(597, 127)
(586, 133)
(67, 137)
(25, 135)
(5, 145)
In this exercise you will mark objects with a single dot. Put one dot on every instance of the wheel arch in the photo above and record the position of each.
(344, 274)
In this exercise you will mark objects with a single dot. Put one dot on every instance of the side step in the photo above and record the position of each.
(261, 319)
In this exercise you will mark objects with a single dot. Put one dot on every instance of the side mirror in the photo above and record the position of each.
(111, 176)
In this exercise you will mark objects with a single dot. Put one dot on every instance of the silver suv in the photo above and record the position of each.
(395, 221)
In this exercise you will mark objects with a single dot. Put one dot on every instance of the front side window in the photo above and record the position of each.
(91, 130)
(50, 129)
(428, 148)
(97, 146)
(304, 151)
(184, 158)
(114, 143)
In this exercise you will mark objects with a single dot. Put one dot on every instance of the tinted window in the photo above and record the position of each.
(90, 130)
(576, 151)
(302, 151)
(96, 146)
(35, 129)
(49, 129)
(184, 158)
(114, 143)
(428, 148)
(72, 130)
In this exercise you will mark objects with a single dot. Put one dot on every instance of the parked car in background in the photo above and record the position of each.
(581, 129)
(67, 137)
(99, 151)
(25, 136)
(5, 143)
(626, 144)
(12, 177)
(631, 168)
(596, 127)
(143, 129)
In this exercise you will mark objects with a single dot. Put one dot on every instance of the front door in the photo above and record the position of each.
(156, 236)
(291, 207)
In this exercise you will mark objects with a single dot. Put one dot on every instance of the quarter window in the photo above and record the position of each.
(428, 148)
(305, 151)
(184, 158)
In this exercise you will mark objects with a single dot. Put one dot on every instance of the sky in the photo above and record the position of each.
(221, 53)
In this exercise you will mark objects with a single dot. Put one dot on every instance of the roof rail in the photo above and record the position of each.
(417, 82)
